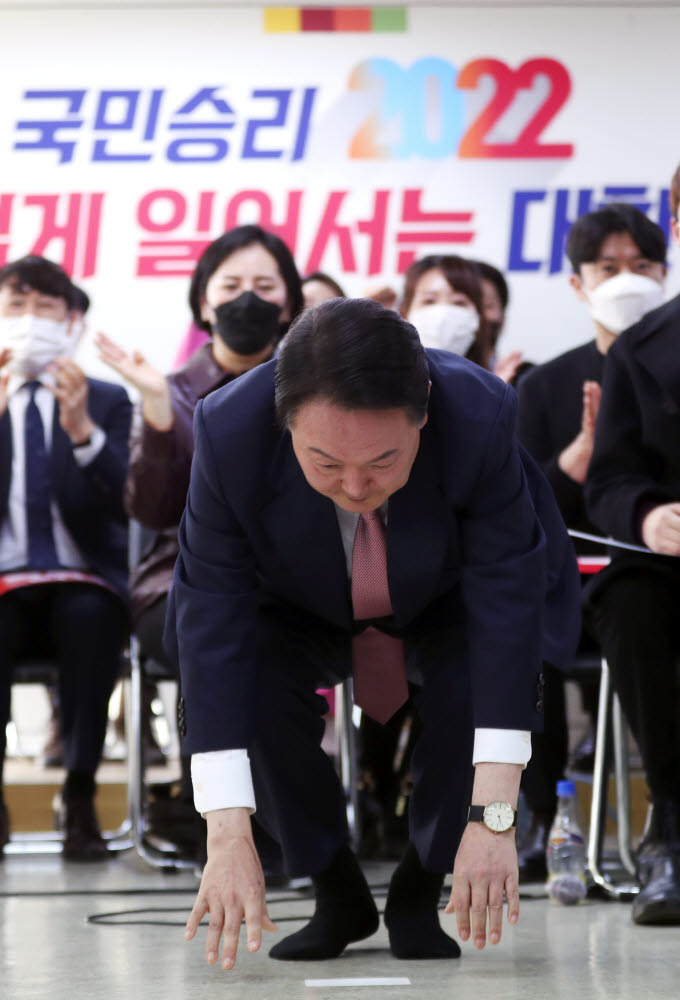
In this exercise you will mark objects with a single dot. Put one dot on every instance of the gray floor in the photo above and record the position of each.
(49, 950)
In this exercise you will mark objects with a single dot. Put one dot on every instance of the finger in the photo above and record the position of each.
(232, 929)
(199, 911)
(512, 894)
(479, 900)
(101, 340)
(267, 922)
(495, 912)
(214, 932)
(138, 358)
(459, 903)
(254, 913)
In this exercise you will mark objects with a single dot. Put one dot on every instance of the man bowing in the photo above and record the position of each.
(360, 507)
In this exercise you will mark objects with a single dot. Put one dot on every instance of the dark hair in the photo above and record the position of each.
(674, 193)
(463, 276)
(355, 354)
(326, 280)
(227, 244)
(39, 274)
(490, 273)
(590, 231)
(80, 300)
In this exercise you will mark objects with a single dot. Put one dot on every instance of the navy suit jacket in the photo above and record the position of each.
(475, 586)
(90, 499)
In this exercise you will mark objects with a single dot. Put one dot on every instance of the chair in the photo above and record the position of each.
(158, 855)
(44, 671)
(610, 725)
(162, 855)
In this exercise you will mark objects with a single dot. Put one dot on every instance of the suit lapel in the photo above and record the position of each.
(303, 528)
(418, 527)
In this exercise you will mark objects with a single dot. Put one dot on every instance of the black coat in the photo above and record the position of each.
(549, 418)
(636, 460)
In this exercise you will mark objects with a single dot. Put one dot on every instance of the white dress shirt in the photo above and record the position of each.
(222, 778)
(13, 530)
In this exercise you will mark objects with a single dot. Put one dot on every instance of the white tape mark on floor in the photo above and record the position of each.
(358, 982)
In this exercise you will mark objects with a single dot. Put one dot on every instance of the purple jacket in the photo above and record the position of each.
(158, 476)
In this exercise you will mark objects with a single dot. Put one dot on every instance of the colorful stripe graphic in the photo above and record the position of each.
(281, 20)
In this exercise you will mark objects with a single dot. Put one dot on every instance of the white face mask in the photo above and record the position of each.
(34, 342)
(621, 301)
(447, 327)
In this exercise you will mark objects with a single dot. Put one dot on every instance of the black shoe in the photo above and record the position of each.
(4, 826)
(658, 901)
(658, 866)
(531, 849)
(583, 757)
(77, 820)
(661, 836)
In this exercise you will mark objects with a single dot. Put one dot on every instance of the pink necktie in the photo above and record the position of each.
(380, 685)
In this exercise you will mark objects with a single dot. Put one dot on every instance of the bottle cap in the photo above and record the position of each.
(566, 789)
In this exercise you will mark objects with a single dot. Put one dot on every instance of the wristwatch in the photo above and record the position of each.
(497, 816)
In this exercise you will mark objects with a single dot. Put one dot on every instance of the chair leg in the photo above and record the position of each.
(599, 799)
(623, 810)
(349, 772)
(153, 856)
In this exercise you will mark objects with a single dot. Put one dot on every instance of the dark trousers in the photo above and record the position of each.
(300, 801)
(149, 630)
(83, 628)
(549, 749)
(636, 616)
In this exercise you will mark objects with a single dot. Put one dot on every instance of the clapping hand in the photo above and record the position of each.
(149, 382)
(72, 392)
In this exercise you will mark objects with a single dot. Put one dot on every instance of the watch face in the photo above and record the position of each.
(499, 816)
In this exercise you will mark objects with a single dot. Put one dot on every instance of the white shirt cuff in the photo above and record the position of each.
(502, 746)
(222, 780)
(86, 453)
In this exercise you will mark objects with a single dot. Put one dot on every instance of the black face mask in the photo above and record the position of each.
(247, 324)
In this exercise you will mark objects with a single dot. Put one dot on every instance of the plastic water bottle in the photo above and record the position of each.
(566, 851)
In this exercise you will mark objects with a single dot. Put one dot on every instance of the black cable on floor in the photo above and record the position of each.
(110, 919)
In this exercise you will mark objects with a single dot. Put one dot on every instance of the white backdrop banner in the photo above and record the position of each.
(365, 138)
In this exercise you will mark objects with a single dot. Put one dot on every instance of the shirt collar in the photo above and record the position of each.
(17, 382)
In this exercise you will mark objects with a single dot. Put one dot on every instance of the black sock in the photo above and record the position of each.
(344, 912)
(79, 785)
(411, 915)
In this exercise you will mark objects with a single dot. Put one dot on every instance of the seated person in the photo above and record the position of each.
(243, 294)
(633, 494)
(318, 287)
(443, 299)
(617, 255)
(63, 529)
(495, 300)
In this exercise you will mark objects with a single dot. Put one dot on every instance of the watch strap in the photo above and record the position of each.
(476, 815)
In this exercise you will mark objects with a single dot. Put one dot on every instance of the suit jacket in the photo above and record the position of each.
(262, 570)
(636, 459)
(90, 499)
